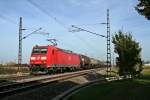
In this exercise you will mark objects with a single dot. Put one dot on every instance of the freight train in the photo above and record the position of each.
(51, 59)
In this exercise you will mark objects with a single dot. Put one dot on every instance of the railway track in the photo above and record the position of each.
(11, 80)
(31, 83)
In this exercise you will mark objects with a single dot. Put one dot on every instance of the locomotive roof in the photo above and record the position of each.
(68, 51)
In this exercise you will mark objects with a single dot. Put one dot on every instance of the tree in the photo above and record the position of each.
(129, 54)
(143, 8)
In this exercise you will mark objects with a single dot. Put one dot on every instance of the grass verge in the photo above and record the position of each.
(133, 89)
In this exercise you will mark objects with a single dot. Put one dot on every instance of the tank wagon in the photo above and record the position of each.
(51, 59)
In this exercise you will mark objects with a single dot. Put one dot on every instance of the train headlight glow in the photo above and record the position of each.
(43, 58)
(32, 58)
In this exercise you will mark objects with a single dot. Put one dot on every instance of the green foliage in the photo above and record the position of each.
(128, 50)
(143, 8)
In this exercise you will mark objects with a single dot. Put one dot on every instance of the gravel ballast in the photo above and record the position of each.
(53, 89)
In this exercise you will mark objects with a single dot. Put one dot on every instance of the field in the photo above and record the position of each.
(13, 69)
(133, 89)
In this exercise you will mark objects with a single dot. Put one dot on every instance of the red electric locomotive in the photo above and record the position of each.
(51, 59)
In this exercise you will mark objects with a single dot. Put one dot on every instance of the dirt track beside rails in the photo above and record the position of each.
(51, 90)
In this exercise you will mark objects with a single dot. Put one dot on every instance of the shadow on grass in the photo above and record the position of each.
(131, 89)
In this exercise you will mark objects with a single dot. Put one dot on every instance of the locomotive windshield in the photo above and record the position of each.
(44, 51)
(39, 51)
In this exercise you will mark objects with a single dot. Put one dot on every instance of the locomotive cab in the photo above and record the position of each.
(39, 59)
(38, 56)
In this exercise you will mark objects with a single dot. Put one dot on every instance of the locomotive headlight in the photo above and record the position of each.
(32, 58)
(43, 58)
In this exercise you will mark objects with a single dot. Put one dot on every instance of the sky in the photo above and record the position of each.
(56, 17)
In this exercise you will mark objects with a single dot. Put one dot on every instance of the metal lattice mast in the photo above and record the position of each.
(108, 42)
(20, 42)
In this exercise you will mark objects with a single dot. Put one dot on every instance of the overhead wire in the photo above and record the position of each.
(88, 24)
(60, 22)
(87, 43)
(51, 16)
(3, 17)
(47, 13)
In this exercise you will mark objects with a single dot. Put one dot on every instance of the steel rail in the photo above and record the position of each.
(20, 86)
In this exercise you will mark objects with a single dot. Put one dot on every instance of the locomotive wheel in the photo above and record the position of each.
(54, 70)
(63, 69)
(46, 71)
(33, 70)
(50, 72)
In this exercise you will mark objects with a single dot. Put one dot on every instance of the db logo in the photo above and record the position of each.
(69, 58)
(38, 58)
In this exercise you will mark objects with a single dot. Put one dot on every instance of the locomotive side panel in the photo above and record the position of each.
(65, 59)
